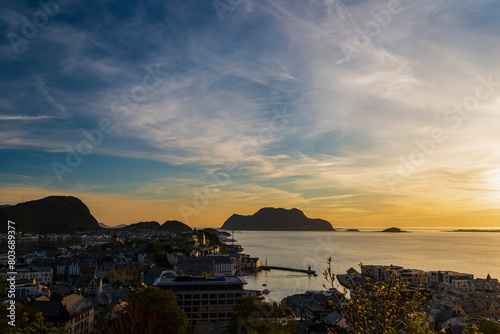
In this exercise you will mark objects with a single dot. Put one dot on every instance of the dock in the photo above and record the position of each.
(305, 271)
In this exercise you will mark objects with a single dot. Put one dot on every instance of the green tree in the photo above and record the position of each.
(135, 320)
(252, 317)
(382, 307)
(484, 326)
(163, 303)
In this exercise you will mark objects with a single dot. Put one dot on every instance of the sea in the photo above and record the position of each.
(476, 253)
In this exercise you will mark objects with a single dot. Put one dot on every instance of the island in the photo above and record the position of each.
(393, 230)
(276, 219)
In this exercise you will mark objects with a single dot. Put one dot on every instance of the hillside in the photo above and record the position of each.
(152, 225)
(53, 214)
(272, 219)
(175, 226)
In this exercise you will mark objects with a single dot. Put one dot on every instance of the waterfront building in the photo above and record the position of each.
(250, 263)
(378, 272)
(453, 278)
(204, 298)
(416, 277)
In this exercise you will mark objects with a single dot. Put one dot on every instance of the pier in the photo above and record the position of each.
(305, 271)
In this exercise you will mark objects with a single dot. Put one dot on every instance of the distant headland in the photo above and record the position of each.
(276, 219)
(393, 230)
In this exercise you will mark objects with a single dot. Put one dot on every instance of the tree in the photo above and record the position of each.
(135, 320)
(328, 274)
(382, 307)
(252, 317)
(485, 326)
(161, 302)
(471, 330)
(30, 321)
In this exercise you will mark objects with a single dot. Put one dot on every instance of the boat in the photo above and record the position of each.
(266, 291)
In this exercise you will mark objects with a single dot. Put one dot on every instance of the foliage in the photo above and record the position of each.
(135, 320)
(27, 322)
(382, 307)
(471, 330)
(252, 317)
(162, 260)
(328, 274)
(485, 326)
(161, 302)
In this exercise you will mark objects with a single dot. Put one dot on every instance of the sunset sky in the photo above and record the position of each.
(364, 113)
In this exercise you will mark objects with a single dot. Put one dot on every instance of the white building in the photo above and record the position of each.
(42, 275)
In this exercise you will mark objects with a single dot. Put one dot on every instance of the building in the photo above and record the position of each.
(79, 314)
(250, 263)
(379, 273)
(454, 278)
(414, 276)
(204, 298)
(42, 275)
(88, 284)
(214, 265)
(26, 289)
(74, 269)
(125, 274)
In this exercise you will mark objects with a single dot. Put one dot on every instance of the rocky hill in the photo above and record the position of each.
(53, 214)
(176, 226)
(273, 219)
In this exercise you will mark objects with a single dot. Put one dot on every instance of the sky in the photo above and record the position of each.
(364, 113)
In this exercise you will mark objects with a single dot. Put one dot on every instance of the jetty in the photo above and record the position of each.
(308, 271)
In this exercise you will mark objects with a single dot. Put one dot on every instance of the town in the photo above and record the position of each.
(87, 283)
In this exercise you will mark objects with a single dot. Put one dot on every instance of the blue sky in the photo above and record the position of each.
(352, 111)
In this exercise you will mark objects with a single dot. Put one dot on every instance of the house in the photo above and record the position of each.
(125, 274)
(88, 267)
(78, 313)
(102, 270)
(74, 269)
(88, 284)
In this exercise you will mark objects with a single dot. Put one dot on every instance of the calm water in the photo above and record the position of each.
(477, 253)
(32, 245)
